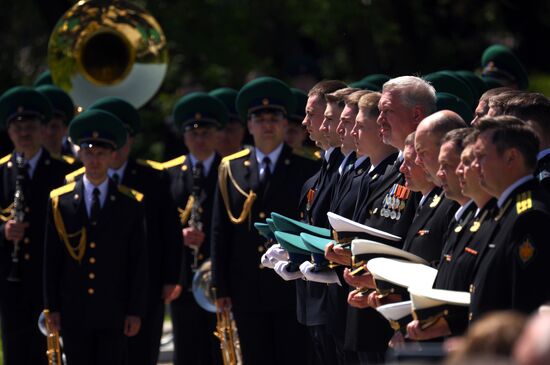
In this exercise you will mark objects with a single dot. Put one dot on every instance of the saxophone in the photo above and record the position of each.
(18, 215)
(226, 332)
(54, 349)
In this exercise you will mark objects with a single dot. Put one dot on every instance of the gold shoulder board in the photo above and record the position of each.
(523, 202)
(73, 175)
(236, 155)
(68, 159)
(175, 162)
(153, 164)
(5, 159)
(62, 190)
(134, 194)
(310, 154)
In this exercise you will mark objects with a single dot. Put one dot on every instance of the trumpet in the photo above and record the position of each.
(18, 214)
(54, 347)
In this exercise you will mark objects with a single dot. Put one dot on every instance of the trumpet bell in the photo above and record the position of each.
(108, 48)
(202, 287)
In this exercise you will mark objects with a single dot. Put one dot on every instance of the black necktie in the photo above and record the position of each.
(116, 178)
(198, 175)
(266, 162)
(267, 169)
(96, 207)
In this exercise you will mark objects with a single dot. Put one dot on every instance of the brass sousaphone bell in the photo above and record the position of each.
(108, 48)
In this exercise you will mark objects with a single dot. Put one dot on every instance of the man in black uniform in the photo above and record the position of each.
(24, 112)
(193, 179)
(314, 203)
(534, 109)
(163, 233)
(55, 131)
(509, 271)
(95, 265)
(391, 206)
(231, 136)
(252, 184)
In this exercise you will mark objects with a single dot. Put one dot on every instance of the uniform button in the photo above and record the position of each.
(201, 256)
(261, 249)
(91, 291)
(92, 244)
(261, 266)
(470, 316)
(27, 209)
(472, 288)
(27, 257)
(262, 215)
(92, 260)
(91, 275)
(27, 240)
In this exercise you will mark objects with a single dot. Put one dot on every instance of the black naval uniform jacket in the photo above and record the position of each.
(163, 233)
(48, 175)
(376, 203)
(323, 183)
(425, 237)
(110, 282)
(181, 187)
(366, 329)
(237, 248)
(465, 239)
(512, 269)
(348, 191)
(310, 295)
(343, 203)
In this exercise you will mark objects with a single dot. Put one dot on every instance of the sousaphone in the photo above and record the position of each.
(108, 48)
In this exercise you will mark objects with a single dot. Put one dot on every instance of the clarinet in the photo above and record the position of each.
(18, 214)
(195, 216)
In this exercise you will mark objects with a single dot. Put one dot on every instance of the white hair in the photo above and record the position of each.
(414, 91)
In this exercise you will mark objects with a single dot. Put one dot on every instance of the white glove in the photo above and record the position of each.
(326, 277)
(281, 270)
(277, 252)
(268, 262)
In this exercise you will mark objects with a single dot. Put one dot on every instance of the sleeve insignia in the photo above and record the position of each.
(523, 202)
(526, 251)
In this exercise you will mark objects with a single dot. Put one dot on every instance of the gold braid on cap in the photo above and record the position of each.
(60, 226)
(223, 173)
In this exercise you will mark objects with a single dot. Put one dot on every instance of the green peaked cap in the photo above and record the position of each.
(123, 110)
(99, 128)
(264, 93)
(291, 242)
(198, 109)
(24, 101)
(315, 244)
(294, 226)
(62, 104)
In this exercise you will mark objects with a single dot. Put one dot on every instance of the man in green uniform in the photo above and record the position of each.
(24, 112)
(95, 265)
